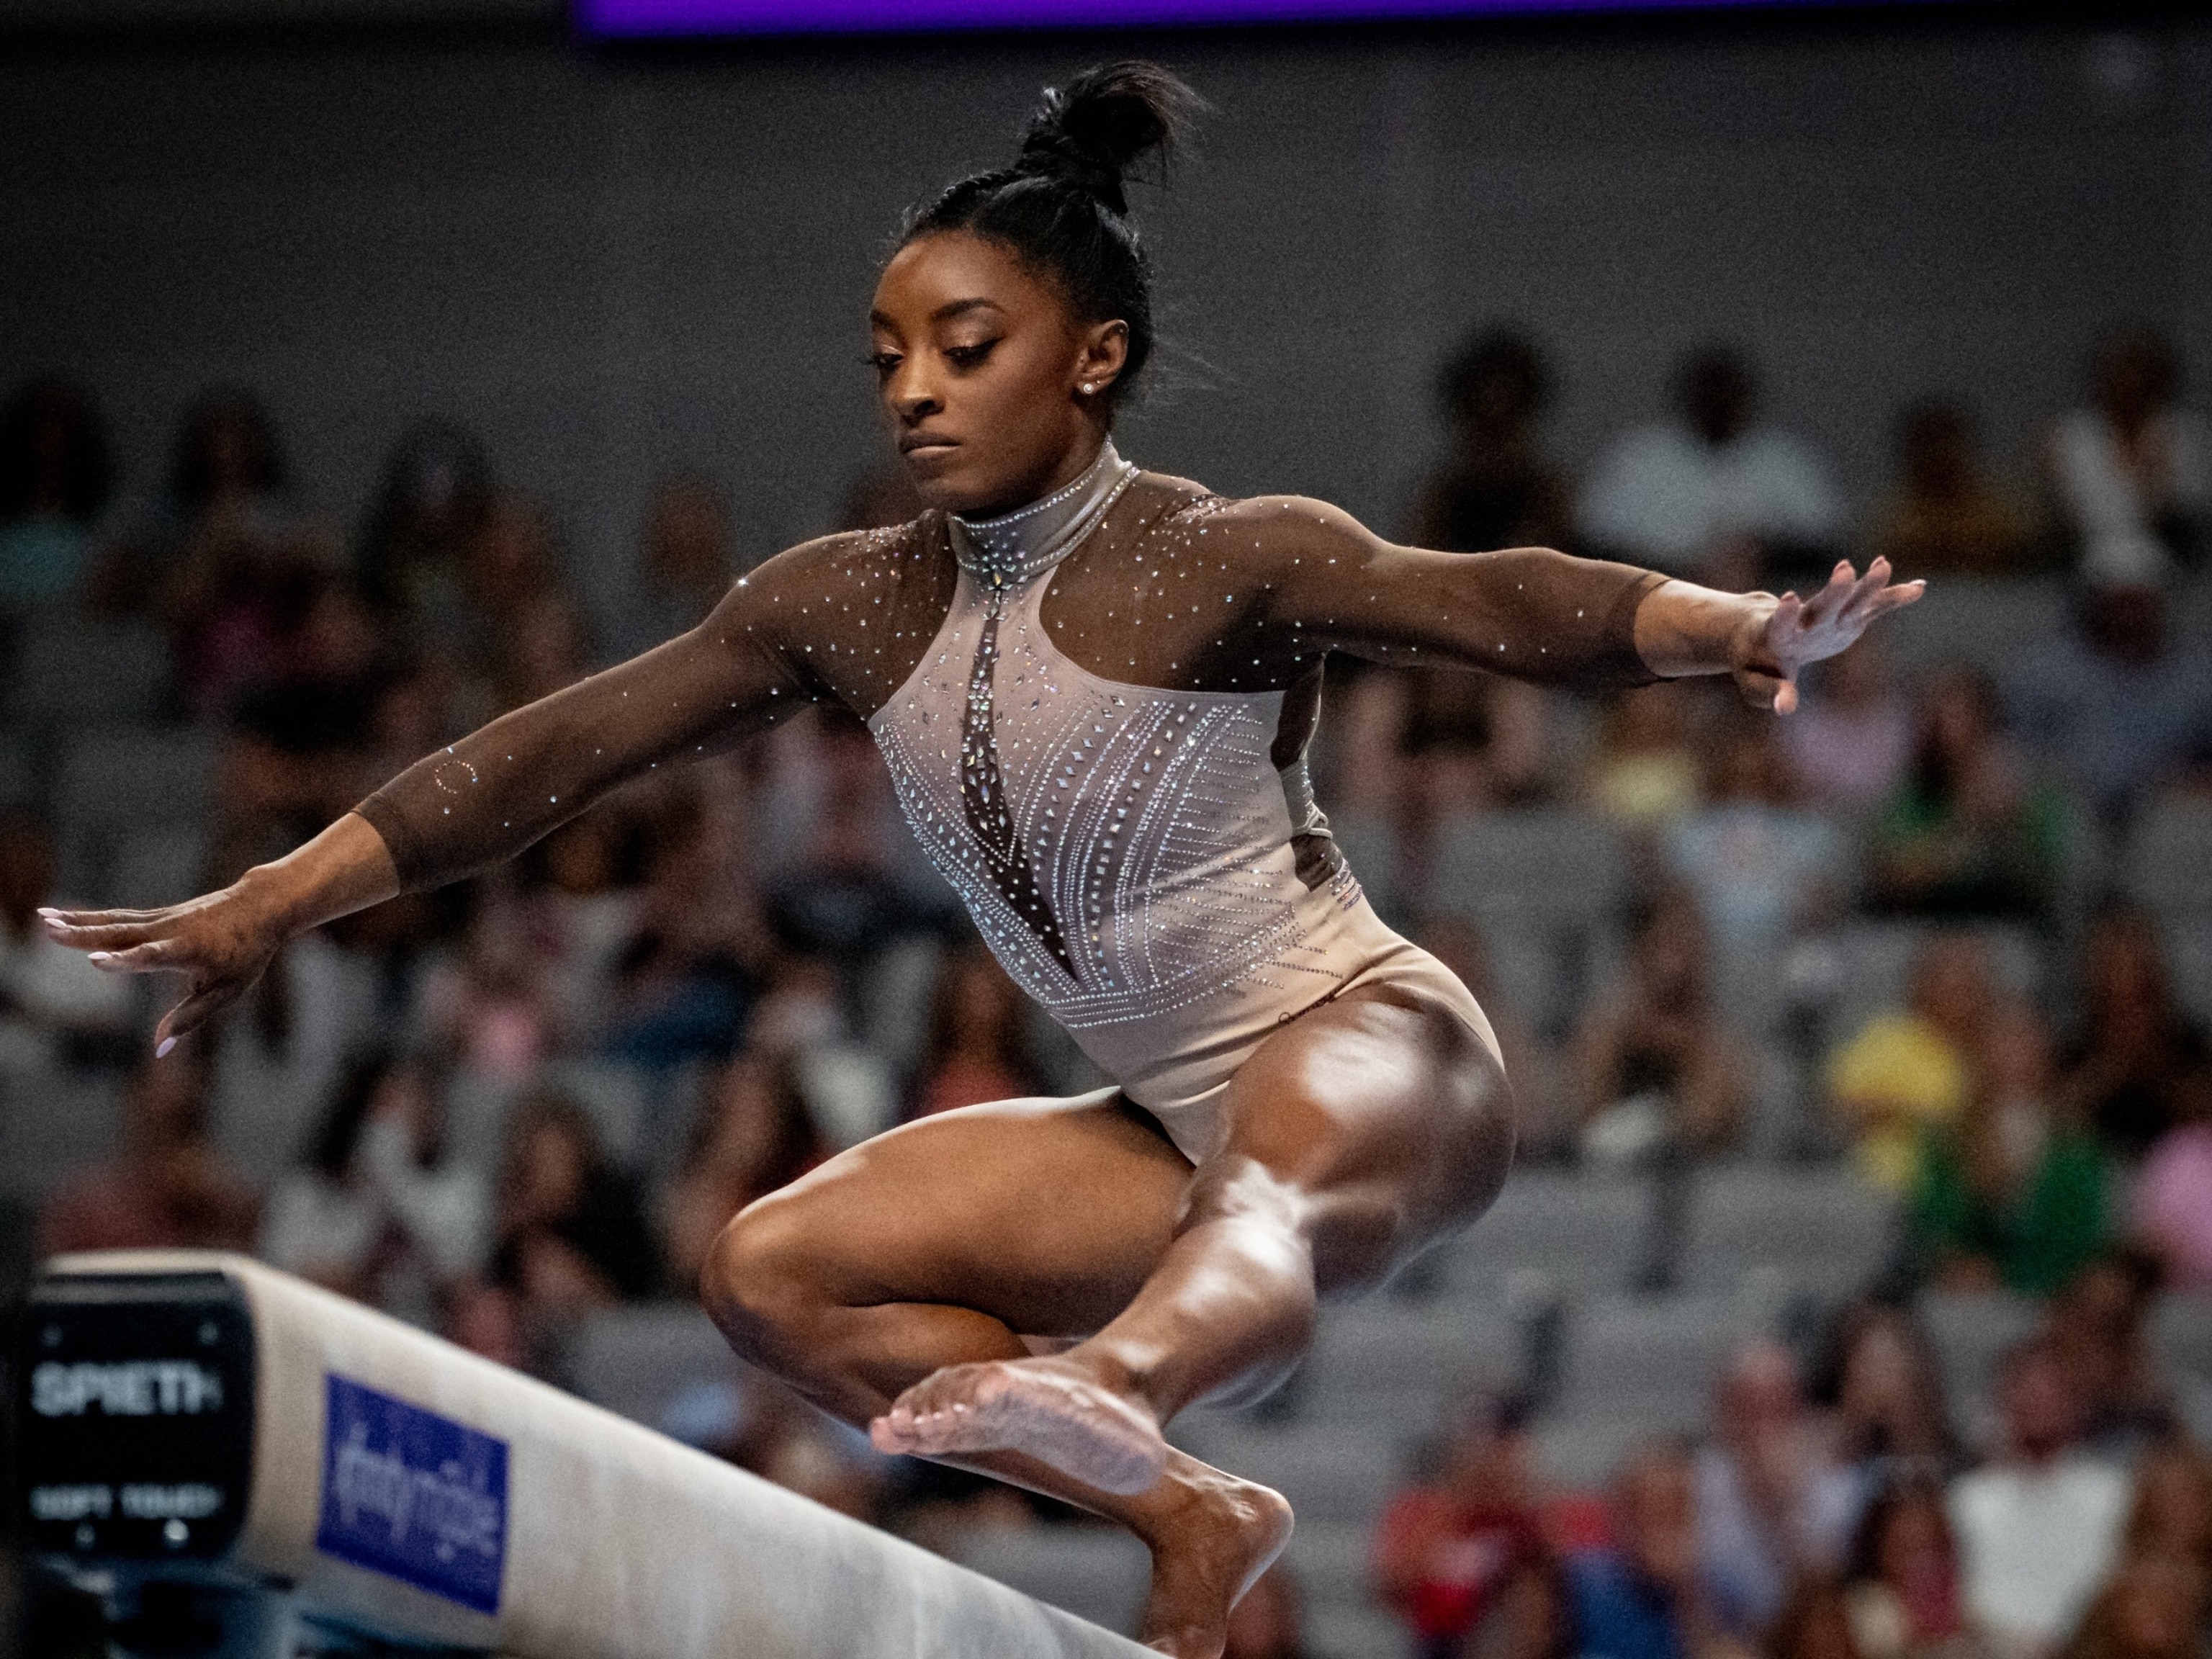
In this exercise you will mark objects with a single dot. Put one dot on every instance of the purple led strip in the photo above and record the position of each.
(707, 17)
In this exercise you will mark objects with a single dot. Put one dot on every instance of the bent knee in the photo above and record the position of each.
(761, 1284)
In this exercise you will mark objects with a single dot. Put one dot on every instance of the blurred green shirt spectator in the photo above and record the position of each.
(2033, 1238)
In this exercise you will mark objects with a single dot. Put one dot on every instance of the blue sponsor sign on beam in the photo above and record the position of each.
(413, 1495)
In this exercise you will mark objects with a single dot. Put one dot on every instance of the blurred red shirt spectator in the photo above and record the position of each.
(1444, 1548)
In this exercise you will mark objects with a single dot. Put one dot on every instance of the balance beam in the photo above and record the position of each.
(194, 1418)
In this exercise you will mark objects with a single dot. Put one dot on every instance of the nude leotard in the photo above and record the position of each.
(1134, 857)
(1096, 712)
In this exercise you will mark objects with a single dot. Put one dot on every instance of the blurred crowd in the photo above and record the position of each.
(1840, 1507)
(499, 1109)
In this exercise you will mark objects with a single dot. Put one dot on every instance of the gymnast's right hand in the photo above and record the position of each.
(224, 941)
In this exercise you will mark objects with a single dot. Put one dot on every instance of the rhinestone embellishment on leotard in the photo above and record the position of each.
(1149, 827)
(1002, 553)
(1017, 545)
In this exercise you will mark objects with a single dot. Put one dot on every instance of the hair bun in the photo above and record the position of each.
(1093, 129)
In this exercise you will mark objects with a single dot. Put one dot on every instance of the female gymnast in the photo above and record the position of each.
(1094, 686)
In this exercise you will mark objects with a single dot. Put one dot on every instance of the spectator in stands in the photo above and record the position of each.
(846, 896)
(323, 1221)
(2173, 1513)
(2132, 474)
(301, 731)
(2011, 1194)
(519, 632)
(231, 569)
(1269, 1623)
(1773, 1505)
(1967, 834)
(1644, 773)
(685, 980)
(1762, 868)
(684, 560)
(437, 493)
(1886, 1416)
(2038, 1526)
(1496, 488)
(2154, 1608)
(224, 517)
(2171, 1206)
(237, 608)
(486, 1320)
(168, 1189)
(1653, 1065)
(1906, 1073)
(376, 1211)
(548, 648)
(2137, 1065)
(2099, 1330)
(1947, 516)
(582, 910)
(1445, 1548)
(570, 1235)
(752, 1136)
(1710, 494)
(1642, 1597)
(55, 1006)
(1534, 1618)
(2115, 704)
(1852, 736)
(1902, 1588)
(1470, 742)
(1814, 1623)
(978, 1046)
(409, 717)
(491, 1009)
(55, 476)
(227, 469)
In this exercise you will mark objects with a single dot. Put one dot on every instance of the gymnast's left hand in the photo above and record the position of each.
(223, 942)
(1770, 647)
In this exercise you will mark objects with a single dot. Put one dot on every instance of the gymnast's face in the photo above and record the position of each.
(995, 391)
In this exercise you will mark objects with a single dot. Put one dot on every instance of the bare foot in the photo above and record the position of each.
(1054, 1412)
(1205, 1555)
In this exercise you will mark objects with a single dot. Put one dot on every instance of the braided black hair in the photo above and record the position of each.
(1061, 208)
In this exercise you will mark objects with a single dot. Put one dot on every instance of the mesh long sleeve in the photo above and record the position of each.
(485, 799)
(1528, 612)
(1183, 589)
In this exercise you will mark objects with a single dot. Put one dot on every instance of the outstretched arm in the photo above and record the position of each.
(1539, 614)
(471, 806)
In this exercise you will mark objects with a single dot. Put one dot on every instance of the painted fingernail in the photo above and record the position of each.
(161, 1048)
(48, 911)
(100, 956)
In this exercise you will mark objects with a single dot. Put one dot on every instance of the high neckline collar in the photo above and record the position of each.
(1016, 545)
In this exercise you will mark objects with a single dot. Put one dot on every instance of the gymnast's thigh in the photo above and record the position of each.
(1046, 1214)
(1380, 1121)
